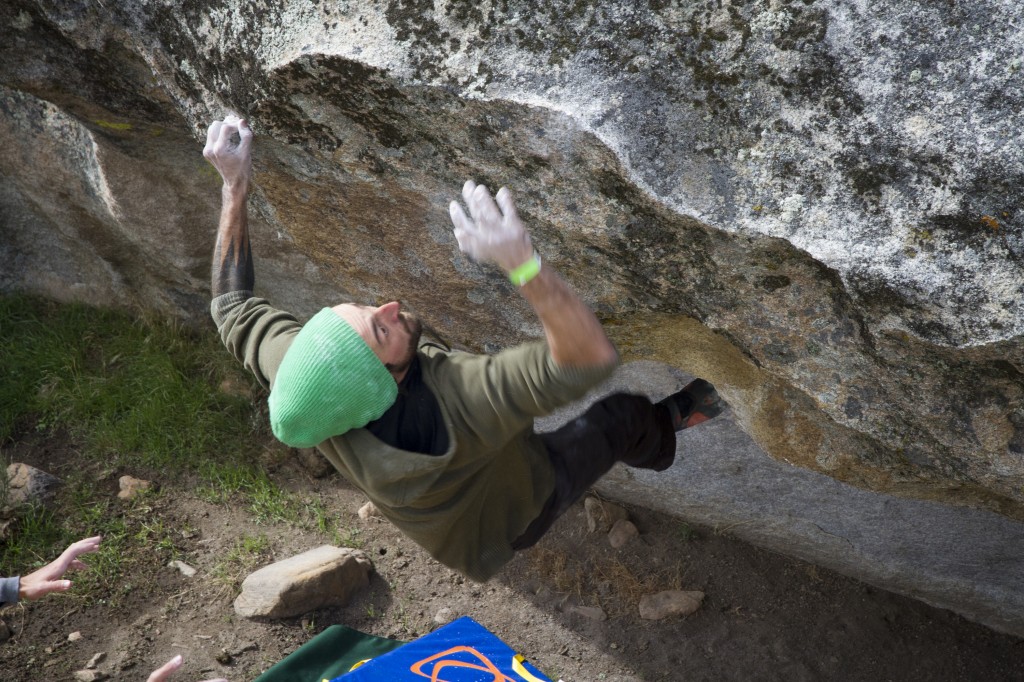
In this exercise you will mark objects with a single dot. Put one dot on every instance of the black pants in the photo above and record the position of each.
(619, 428)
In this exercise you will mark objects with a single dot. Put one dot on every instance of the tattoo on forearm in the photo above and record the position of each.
(232, 265)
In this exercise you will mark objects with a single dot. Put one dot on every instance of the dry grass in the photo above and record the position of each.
(608, 582)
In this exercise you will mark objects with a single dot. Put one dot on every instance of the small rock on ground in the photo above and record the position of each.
(602, 515)
(90, 675)
(670, 603)
(185, 569)
(368, 511)
(28, 486)
(590, 612)
(131, 487)
(621, 533)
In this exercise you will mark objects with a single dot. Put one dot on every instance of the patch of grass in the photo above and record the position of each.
(134, 392)
(629, 584)
(319, 516)
(557, 569)
(39, 531)
(316, 516)
(266, 501)
(249, 553)
(132, 537)
(247, 484)
(129, 394)
(348, 537)
(153, 533)
(144, 397)
(686, 532)
(622, 585)
(225, 483)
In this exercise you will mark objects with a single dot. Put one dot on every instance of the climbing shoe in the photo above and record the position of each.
(695, 404)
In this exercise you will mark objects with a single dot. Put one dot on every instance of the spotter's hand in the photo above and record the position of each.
(164, 672)
(49, 578)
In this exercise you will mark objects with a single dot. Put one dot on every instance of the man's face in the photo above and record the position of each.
(391, 333)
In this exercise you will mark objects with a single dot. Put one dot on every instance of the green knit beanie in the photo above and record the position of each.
(329, 382)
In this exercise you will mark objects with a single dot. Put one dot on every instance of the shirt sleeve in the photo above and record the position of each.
(255, 333)
(529, 379)
(9, 588)
(503, 393)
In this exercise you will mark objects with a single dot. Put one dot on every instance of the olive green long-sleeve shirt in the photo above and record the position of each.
(466, 506)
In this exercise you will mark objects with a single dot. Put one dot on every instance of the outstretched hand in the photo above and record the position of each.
(48, 578)
(165, 671)
(231, 158)
(494, 232)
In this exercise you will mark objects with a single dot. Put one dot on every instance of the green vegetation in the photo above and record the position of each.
(249, 552)
(223, 482)
(130, 395)
(130, 534)
(131, 392)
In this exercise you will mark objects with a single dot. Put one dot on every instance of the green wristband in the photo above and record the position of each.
(525, 272)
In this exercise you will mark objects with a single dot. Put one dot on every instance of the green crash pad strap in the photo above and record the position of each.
(328, 655)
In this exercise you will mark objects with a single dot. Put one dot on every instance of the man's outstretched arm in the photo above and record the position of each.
(232, 268)
(495, 233)
(574, 335)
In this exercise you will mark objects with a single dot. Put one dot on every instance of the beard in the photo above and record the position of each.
(414, 327)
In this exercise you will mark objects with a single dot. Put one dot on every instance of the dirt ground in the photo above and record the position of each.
(764, 617)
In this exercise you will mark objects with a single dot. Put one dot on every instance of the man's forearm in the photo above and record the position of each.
(232, 268)
(574, 334)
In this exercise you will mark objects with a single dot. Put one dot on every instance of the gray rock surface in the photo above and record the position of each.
(814, 206)
(321, 577)
(965, 560)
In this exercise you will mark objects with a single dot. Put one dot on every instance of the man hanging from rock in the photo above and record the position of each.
(442, 441)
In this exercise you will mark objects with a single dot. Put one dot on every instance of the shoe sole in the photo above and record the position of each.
(705, 397)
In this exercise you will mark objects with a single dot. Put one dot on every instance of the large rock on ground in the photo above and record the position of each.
(815, 206)
(25, 486)
(321, 577)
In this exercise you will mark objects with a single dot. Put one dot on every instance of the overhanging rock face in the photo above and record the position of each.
(816, 207)
(966, 560)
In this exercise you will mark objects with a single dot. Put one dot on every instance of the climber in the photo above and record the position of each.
(442, 441)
